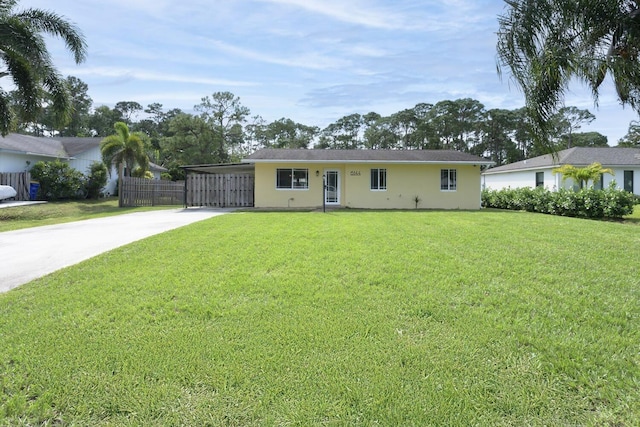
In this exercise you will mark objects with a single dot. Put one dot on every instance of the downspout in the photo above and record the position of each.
(324, 193)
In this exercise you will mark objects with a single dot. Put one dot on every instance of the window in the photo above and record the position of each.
(292, 179)
(539, 179)
(628, 181)
(378, 179)
(448, 180)
(600, 184)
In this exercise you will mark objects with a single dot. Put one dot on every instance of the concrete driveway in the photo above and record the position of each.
(34, 252)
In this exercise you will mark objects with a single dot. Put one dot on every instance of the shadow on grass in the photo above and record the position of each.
(632, 219)
(361, 210)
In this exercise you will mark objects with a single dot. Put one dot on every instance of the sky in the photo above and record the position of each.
(313, 61)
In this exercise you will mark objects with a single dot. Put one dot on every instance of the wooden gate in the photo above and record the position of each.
(151, 192)
(20, 181)
(220, 190)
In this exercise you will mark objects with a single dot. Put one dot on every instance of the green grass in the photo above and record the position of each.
(14, 218)
(635, 217)
(344, 318)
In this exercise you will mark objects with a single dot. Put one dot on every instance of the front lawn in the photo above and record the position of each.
(14, 218)
(344, 318)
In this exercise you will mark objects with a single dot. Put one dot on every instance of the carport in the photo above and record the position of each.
(219, 185)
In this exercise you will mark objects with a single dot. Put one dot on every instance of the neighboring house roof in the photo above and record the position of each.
(75, 145)
(576, 156)
(58, 147)
(27, 144)
(270, 155)
(157, 168)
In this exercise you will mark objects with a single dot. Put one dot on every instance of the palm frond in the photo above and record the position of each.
(6, 115)
(56, 25)
(25, 57)
(547, 43)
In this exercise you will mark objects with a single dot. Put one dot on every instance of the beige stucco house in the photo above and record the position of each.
(369, 179)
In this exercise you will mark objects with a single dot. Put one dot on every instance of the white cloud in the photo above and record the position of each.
(352, 12)
(306, 59)
(126, 73)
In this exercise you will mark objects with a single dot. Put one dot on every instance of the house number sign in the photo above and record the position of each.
(354, 173)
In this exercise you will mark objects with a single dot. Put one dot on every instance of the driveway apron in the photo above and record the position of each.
(34, 252)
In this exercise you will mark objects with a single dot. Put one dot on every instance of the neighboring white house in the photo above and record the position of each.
(18, 153)
(538, 171)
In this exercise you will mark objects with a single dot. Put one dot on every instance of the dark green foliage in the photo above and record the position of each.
(28, 63)
(96, 180)
(547, 45)
(587, 203)
(58, 181)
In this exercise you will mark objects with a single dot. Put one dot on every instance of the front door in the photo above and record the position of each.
(332, 192)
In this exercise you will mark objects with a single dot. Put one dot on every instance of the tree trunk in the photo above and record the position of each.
(120, 186)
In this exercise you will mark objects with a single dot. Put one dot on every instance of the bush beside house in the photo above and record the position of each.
(588, 203)
(59, 181)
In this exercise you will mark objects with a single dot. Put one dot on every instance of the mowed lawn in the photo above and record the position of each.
(345, 318)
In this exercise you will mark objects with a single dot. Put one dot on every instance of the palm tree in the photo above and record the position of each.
(582, 176)
(548, 43)
(124, 150)
(25, 59)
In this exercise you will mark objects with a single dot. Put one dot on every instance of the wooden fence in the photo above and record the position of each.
(20, 181)
(151, 192)
(220, 190)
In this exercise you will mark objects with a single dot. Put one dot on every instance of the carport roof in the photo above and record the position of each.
(220, 168)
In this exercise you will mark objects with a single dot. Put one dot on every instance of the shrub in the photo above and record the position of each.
(58, 181)
(588, 203)
(96, 180)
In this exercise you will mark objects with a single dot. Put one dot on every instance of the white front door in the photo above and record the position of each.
(332, 191)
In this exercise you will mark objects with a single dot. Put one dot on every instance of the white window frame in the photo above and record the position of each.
(451, 184)
(379, 172)
(304, 180)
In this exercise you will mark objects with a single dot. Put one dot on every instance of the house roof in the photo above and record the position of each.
(576, 156)
(33, 145)
(220, 168)
(58, 147)
(157, 168)
(75, 145)
(271, 155)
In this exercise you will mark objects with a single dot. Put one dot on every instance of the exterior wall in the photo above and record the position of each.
(83, 161)
(268, 196)
(520, 179)
(15, 162)
(619, 177)
(404, 183)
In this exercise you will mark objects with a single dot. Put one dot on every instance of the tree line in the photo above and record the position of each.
(221, 129)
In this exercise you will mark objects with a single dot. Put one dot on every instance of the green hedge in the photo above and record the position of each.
(58, 181)
(587, 203)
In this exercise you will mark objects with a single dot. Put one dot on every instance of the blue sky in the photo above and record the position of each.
(313, 61)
